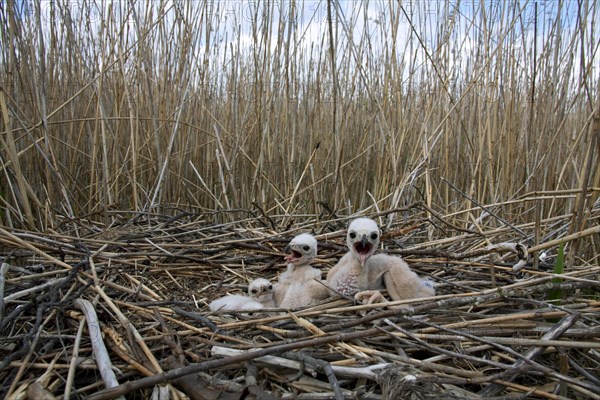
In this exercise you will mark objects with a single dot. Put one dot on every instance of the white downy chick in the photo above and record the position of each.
(260, 293)
(299, 285)
(361, 273)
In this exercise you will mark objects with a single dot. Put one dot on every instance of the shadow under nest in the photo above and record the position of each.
(490, 332)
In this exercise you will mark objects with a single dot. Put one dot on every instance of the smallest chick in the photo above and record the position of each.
(261, 290)
(260, 293)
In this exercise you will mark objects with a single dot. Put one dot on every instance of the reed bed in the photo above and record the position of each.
(144, 283)
(208, 106)
(157, 155)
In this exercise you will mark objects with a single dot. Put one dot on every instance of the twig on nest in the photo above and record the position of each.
(558, 330)
(368, 372)
(100, 353)
(320, 365)
(3, 271)
(196, 317)
(193, 385)
(74, 357)
(192, 368)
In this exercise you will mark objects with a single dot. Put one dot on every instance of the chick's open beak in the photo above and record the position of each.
(363, 248)
(293, 254)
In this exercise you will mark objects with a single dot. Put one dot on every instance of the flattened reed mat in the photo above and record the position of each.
(98, 312)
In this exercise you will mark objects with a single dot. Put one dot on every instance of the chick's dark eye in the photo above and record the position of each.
(306, 248)
(352, 235)
(270, 287)
(373, 236)
(254, 291)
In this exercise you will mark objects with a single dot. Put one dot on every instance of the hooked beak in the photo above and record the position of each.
(292, 255)
(363, 240)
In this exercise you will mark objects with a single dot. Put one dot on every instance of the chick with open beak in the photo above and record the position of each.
(301, 250)
(361, 274)
(348, 276)
(363, 238)
(300, 285)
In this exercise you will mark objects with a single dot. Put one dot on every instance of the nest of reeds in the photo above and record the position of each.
(91, 311)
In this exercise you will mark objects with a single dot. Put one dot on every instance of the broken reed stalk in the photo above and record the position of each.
(100, 353)
(73, 364)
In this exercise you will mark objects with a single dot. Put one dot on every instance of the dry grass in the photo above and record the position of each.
(136, 136)
(489, 331)
(174, 105)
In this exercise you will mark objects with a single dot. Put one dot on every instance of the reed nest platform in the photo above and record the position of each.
(100, 311)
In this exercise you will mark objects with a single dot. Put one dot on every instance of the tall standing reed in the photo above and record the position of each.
(295, 106)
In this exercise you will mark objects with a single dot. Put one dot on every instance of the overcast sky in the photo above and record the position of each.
(232, 22)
